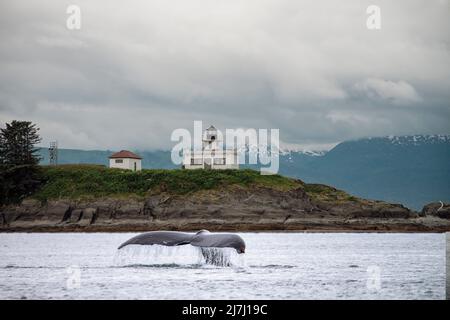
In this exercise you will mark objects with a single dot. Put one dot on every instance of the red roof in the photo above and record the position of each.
(125, 154)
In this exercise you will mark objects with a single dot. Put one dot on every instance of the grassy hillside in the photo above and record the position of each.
(78, 181)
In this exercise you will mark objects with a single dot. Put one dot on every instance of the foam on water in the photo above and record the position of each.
(186, 255)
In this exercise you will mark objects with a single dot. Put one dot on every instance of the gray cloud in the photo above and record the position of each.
(136, 71)
(399, 92)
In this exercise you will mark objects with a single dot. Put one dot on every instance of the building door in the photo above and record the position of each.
(207, 163)
(135, 166)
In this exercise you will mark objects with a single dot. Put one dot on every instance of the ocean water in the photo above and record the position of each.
(275, 266)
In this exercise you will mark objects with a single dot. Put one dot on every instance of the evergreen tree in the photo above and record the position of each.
(17, 143)
(19, 173)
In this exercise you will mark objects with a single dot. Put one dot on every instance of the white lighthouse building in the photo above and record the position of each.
(212, 155)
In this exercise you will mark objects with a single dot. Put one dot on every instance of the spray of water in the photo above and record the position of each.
(187, 255)
(222, 257)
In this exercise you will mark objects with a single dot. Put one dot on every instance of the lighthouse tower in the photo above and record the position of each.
(210, 139)
(212, 155)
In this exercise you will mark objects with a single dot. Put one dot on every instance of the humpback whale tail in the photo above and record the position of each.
(202, 239)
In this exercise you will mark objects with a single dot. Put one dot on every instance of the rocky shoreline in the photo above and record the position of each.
(232, 208)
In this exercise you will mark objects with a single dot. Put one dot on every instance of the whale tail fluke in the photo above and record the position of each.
(203, 239)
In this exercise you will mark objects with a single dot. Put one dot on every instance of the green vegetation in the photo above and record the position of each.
(323, 192)
(92, 181)
(83, 181)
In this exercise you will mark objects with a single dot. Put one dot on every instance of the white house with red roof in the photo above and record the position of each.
(125, 159)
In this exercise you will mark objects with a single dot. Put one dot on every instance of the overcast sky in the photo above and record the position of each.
(136, 70)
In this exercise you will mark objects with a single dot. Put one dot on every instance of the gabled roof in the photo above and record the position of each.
(125, 154)
(211, 128)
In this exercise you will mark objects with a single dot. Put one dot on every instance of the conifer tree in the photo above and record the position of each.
(19, 172)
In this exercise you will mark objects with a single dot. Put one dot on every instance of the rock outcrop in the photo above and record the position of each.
(229, 208)
(437, 209)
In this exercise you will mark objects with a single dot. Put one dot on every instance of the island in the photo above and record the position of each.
(94, 198)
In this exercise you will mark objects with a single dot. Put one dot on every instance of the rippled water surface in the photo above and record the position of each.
(275, 266)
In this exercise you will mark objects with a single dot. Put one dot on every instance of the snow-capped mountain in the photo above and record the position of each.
(415, 140)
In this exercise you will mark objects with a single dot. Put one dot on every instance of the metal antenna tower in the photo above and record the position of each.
(53, 152)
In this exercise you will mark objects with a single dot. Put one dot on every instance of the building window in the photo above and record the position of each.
(196, 161)
(119, 161)
(219, 161)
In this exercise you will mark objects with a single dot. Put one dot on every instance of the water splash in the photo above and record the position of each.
(222, 257)
(187, 255)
